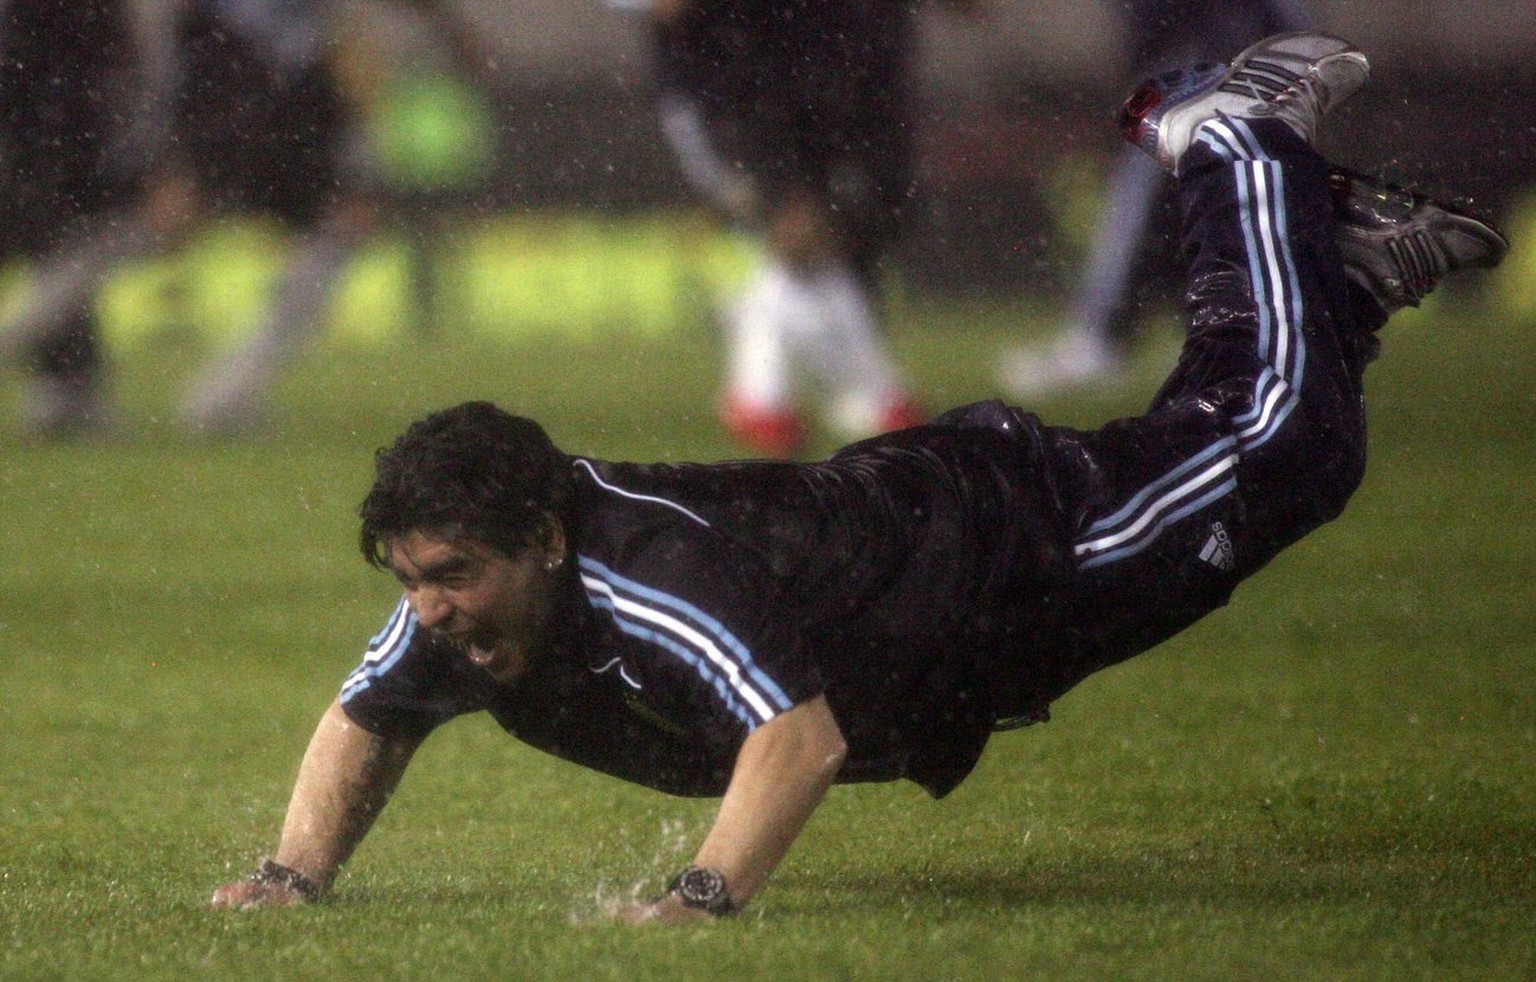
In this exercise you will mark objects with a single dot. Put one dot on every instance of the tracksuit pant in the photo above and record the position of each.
(1256, 438)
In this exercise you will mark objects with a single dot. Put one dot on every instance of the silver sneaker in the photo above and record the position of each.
(1296, 78)
(1398, 244)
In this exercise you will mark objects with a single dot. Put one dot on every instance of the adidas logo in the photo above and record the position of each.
(1415, 257)
(1218, 548)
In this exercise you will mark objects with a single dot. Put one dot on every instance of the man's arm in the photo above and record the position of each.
(782, 773)
(346, 778)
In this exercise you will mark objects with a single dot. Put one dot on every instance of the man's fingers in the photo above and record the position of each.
(237, 896)
(667, 910)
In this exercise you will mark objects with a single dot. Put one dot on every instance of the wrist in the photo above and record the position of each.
(704, 889)
(273, 873)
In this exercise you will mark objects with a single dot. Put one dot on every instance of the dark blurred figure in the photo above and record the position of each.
(1103, 317)
(793, 119)
(71, 93)
(251, 119)
(260, 126)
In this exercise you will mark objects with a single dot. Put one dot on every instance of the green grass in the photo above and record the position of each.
(1330, 779)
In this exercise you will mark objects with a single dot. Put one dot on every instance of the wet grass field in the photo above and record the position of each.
(1330, 779)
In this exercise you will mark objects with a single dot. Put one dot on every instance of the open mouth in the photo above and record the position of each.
(482, 655)
(478, 645)
(482, 648)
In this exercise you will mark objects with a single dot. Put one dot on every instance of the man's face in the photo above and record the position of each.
(493, 605)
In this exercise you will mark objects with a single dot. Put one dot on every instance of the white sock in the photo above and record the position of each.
(846, 353)
(757, 347)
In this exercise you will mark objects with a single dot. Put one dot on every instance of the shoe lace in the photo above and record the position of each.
(1306, 93)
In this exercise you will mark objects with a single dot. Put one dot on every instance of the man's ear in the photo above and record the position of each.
(552, 541)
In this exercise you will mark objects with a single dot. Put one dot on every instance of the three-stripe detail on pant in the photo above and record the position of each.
(1210, 474)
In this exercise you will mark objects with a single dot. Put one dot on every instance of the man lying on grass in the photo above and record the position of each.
(762, 630)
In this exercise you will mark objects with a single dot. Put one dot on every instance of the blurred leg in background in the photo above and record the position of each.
(242, 116)
(268, 128)
(1103, 316)
(127, 124)
(71, 166)
(262, 129)
(794, 123)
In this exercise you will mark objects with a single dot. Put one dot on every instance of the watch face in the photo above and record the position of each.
(700, 887)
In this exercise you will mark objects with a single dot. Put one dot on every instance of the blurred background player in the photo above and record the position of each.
(250, 119)
(793, 119)
(1103, 315)
(72, 160)
(261, 126)
(264, 124)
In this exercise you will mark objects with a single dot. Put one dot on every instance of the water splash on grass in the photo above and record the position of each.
(671, 851)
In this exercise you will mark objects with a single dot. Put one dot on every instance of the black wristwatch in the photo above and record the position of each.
(703, 889)
(272, 872)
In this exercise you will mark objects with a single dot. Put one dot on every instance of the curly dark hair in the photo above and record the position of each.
(471, 471)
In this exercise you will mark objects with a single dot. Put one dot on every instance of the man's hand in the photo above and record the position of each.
(272, 885)
(344, 781)
(246, 894)
(667, 910)
(782, 772)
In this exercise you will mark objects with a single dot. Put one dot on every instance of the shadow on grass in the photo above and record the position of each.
(1427, 870)
(1487, 867)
